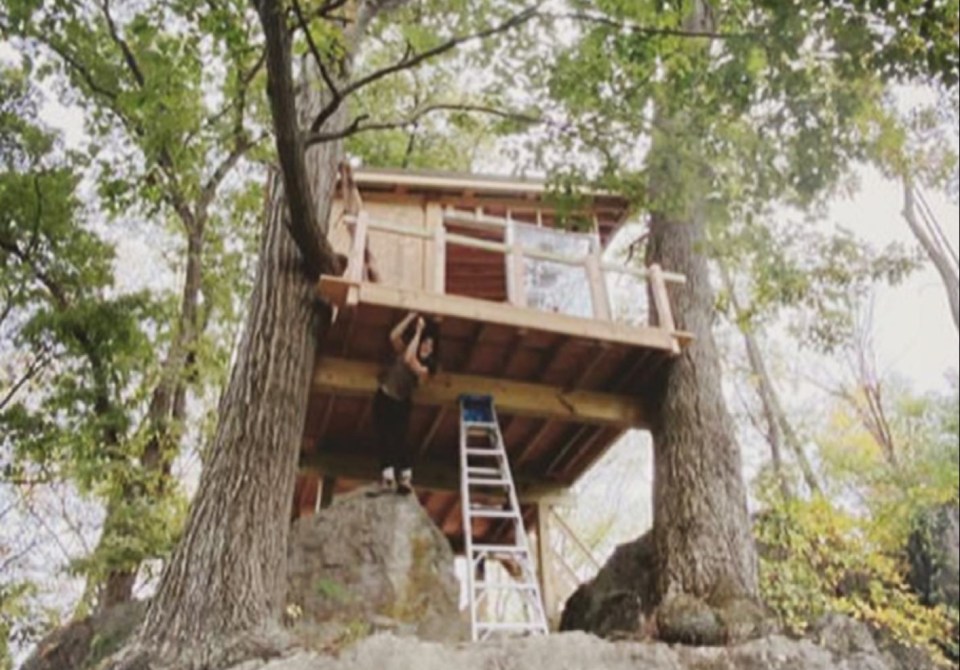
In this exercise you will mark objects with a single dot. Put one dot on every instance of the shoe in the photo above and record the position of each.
(405, 487)
(383, 488)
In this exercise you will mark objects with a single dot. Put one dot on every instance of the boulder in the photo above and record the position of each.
(368, 564)
(617, 602)
(934, 554)
(82, 644)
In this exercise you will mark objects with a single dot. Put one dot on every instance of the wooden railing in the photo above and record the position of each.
(437, 238)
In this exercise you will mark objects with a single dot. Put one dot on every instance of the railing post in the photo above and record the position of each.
(513, 265)
(598, 287)
(354, 271)
(439, 258)
(545, 560)
(661, 303)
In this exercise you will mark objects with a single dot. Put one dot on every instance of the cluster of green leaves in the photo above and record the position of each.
(78, 347)
(171, 100)
(816, 558)
(819, 556)
(814, 278)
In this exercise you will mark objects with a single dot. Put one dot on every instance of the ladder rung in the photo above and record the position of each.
(482, 625)
(487, 482)
(493, 514)
(499, 549)
(476, 470)
(506, 586)
(473, 451)
(492, 425)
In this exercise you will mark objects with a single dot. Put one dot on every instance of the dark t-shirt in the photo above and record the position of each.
(399, 381)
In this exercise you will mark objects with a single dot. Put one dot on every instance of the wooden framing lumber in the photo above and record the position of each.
(428, 475)
(343, 376)
(335, 289)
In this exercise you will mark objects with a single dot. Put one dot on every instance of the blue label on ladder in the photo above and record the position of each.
(476, 408)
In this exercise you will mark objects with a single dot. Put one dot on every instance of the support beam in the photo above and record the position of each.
(335, 290)
(430, 476)
(346, 377)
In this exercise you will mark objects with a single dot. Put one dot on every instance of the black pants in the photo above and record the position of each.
(390, 420)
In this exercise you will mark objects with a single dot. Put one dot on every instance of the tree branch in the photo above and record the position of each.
(128, 56)
(317, 253)
(412, 60)
(36, 365)
(599, 19)
(315, 51)
(357, 126)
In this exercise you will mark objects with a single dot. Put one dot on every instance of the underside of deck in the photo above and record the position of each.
(565, 389)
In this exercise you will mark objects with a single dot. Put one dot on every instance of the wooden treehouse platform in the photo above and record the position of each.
(482, 255)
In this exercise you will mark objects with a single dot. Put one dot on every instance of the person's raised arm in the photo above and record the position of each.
(410, 355)
(396, 335)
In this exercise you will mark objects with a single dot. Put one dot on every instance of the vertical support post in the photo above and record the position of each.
(545, 560)
(355, 263)
(661, 302)
(354, 271)
(327, 486)
(598, 286)
(513, 265)
(440, 259)
(433, 251)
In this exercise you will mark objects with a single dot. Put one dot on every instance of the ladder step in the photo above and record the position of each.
(499, 549)
(488, 482)
(472, 470)
(473, 451)
(493, 514)
(505, 586)
(490, 425)
(494, 626)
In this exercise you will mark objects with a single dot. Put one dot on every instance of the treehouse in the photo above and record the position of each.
(525, 310)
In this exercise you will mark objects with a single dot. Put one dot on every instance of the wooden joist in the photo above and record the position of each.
(346, 377)
(429, 476)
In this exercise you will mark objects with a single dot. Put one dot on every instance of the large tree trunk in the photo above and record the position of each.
(226, 576)
(221, 593)
(702, 537)
(165, 414)
(700, 522)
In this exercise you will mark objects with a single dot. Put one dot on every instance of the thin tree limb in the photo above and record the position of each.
(357, 126)
(408, 61)
(599, 19)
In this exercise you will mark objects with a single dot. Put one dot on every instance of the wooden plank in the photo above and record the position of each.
(331, 288)
(354, 271)
(346, 377)
(545, 560)
(428, 475)
(661, 301)
(598, 285)
(516, 290)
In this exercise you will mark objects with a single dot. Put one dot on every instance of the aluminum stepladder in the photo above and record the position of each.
(485, 481)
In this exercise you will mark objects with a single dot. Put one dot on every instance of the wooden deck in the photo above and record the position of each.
(466, 250)
(566, 388)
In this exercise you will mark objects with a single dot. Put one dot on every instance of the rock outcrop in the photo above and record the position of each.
(369, 564)
(84, 643)
(580, 651)
(619, 603)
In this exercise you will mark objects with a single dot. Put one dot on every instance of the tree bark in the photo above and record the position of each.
(941, 257)
(779, 430)
(701, 527)
(165, 413)
(221, 593)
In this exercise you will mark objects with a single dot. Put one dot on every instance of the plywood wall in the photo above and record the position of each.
(400, 260)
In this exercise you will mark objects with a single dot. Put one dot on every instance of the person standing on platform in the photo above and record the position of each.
(415, 360)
